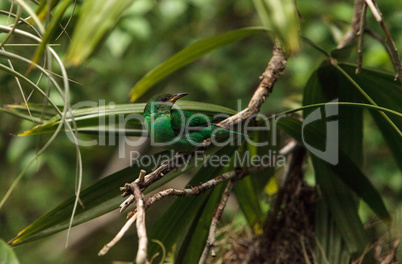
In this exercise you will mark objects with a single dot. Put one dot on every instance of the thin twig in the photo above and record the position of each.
(14, 26)
(374, 10)
(275, 68)
(63, 29)
(193, 191)
(119, 235)
(358, 24)
(361, 39)
(210, 245)
(141, 229)
(141, 176)
(151, 178)
(19, 87)
(388, 39)
(352, 32)
(288, 148)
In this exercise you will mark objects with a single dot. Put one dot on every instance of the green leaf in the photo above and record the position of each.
(197, 235)
(346, 169)
(124, 118)
(175, 224)
(95, 20)
(38, 111)
(336, 194)
(20, 114)
(385, 91)
(342, 204)
(54, 23)
(249, 203)
(330, 246)
(315, 46)
(7, 255)
(344, 53)
(44, 7)
(261, 179)
(280, 16)
(249, 189)
(351, 104)
(188, 55)
(98, 199)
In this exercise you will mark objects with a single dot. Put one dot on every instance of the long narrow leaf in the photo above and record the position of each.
(95, 20)
(385, 91)
(346, 170)
(280, 17)
(248, 190)
(188, 55)
(174, 226)
(54, 23)
(112, 118)
(195, 240)
(341, 204)
(7, 255)
(98, 199)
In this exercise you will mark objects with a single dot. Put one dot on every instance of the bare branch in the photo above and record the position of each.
(141, 177)
(232, 175)
(141, 229)
(354, 29)
(361, 39)
(288, 148)
(388, 39)
(275, 68)
(214, 223)
(358, 27)
(151, 178)
(376, 13)
(119, 235)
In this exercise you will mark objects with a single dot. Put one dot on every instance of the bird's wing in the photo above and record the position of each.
(186, 122)
(189, 121)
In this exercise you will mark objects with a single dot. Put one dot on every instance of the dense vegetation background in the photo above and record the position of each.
(146, 34)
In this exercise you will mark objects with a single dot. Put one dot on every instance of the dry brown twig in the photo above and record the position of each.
(232, 175)
(388, 39)
(210, 245)
(274, 69)
(271, 74)
(354, 29)
(360, 33)
(141, 229)
(358, 29)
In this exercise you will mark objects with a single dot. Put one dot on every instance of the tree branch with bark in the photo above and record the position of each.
(135, 189)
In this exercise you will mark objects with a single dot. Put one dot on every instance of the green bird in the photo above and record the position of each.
(179, 130)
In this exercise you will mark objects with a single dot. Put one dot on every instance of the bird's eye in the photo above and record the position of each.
(164, 99)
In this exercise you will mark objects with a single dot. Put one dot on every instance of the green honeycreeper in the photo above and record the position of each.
(179, 130)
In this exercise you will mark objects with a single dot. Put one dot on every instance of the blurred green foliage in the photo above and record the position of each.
(147, 34)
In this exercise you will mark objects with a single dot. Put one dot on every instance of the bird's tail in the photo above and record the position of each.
(220, 132)
(237, 133)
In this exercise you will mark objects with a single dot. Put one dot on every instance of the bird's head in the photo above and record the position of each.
(162, 103)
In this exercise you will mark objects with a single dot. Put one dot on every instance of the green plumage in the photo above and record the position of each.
(177, 129)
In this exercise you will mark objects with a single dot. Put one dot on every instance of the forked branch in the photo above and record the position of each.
(271, 74)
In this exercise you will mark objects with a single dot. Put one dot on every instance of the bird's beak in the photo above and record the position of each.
(177, 96)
